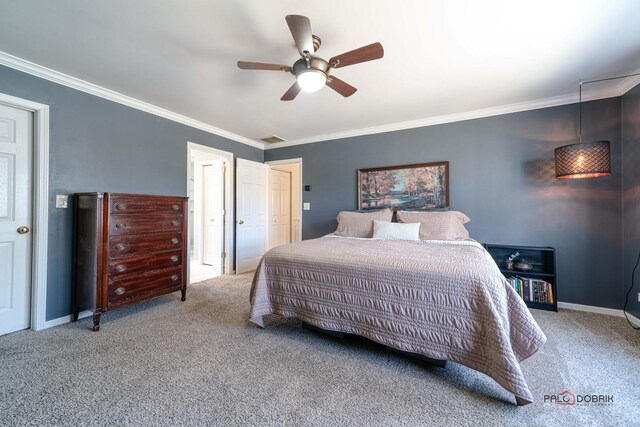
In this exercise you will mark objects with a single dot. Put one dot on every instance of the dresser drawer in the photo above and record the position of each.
(123, 204)
(141, 224)
(148, 262)
(141, 287)
(125, 246)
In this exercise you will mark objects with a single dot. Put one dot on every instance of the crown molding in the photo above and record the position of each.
(629, 83)
(591, 95)
(92, 89)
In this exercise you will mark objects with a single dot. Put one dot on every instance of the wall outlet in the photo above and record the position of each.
(62, 201)
(306, 206)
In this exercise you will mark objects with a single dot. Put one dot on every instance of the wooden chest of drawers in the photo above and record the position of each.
(128, 248)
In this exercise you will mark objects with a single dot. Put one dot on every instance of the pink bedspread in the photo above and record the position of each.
(442, 299)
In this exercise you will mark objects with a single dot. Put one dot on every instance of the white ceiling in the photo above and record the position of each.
(444, 60)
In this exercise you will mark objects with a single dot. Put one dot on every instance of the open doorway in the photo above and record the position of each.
(285, 201)
(210, 190)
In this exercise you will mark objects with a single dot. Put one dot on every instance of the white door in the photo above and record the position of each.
(251, 214)
(16, 152)
(213, 215)
(279, 208)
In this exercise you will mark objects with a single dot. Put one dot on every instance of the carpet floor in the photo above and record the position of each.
(165, 362)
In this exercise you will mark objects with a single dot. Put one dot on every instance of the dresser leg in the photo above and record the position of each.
(76, 312)
(96, 322)
(183, 291)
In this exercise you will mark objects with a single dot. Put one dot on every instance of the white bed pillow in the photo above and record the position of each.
(396, 231)
(447, 225)
(360, 224)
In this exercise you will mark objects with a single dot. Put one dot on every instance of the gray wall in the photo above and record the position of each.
(631, 148)
(501, 171)
(502, 176)
(98, 145)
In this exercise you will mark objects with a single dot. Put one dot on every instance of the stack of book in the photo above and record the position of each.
(532, 290)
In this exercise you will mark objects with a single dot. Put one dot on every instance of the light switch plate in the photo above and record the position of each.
(62, 201)
(306, 206)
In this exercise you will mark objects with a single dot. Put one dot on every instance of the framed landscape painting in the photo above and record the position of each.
(422, 186)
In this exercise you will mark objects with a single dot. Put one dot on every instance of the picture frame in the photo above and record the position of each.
(419, 186)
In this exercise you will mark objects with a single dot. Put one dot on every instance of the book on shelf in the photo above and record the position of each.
(532, 290)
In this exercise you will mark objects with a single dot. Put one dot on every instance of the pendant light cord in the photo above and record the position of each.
(610, 78)
(596, 81)
(580, 106)
(626, 300)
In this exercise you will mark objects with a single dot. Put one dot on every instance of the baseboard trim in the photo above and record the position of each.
(65, 319)
(565, 305)
(633, 319)
(590, 309)
(598, 310)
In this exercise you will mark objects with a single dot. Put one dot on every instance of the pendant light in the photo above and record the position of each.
(583, 160)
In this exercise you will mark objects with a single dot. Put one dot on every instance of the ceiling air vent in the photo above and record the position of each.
(271, 139)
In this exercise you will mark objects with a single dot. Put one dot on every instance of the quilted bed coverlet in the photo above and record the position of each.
(443, 299)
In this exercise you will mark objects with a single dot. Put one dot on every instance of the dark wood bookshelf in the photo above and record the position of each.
(541, 258)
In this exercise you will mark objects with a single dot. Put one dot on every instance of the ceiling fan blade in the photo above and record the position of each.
(246, 65)
(300, 28)
(291, 94)
(344, 89)
(363, 54)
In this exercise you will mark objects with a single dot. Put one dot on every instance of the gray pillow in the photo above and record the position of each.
(448, 225)
(356, 224)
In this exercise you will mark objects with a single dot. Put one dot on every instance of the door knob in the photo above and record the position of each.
(23, 229)
(240, 221)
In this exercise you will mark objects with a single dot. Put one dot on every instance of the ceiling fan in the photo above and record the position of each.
(312, 72)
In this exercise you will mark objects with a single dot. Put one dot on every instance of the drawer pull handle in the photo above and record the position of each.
(120, 247)
(175, 207)
(120, 268)
(120, 291)
(174, 258)
(175, 223)
(174, 240)
(121, 206)
(120, 225)
(174, 278)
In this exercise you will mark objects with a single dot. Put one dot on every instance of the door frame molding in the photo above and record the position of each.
(301, 189)
(40, 206)
(229, 204)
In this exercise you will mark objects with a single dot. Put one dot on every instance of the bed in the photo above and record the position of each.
(445, 300)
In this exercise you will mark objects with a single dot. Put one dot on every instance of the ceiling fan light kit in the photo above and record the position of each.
(311, 80)
(312, 73)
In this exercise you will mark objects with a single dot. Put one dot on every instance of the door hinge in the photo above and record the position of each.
(224, 255)
(224, 212)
